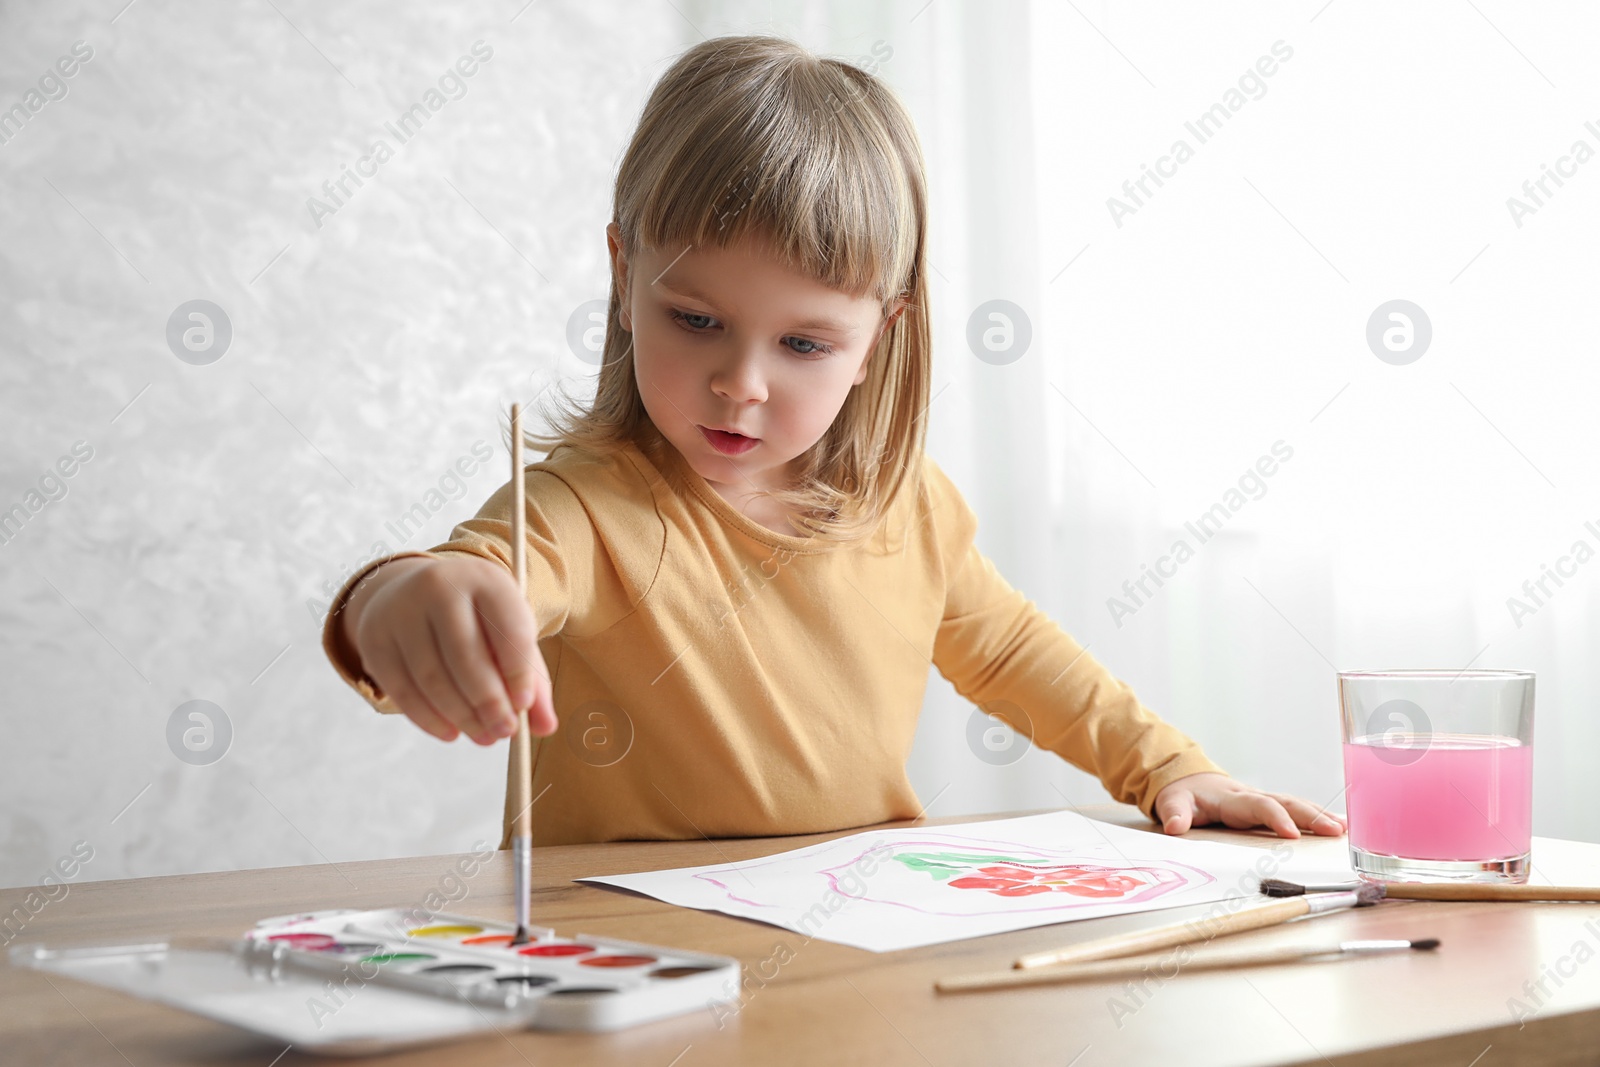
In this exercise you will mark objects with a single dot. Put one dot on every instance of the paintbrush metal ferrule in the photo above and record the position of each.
(1375, 945)
(1279, 887)
(1354, 898)
(522, 877)
(1330, 902)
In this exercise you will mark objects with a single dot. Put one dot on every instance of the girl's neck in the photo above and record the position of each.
(746, 500)
(759, 509)
(751, 496)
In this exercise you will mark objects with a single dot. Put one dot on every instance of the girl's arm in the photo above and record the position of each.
(452, 640)
(1007, 656)
(572, 584)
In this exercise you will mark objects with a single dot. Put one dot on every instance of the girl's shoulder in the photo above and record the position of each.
(621, 470)
(936, 489)
(616, 489)
(928, 509)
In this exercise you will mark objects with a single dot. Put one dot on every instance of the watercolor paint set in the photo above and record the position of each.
(352, 982)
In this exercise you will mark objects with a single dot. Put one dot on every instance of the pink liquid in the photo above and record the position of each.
(1460, 798)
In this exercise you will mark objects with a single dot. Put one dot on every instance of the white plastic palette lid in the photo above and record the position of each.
(221, 981)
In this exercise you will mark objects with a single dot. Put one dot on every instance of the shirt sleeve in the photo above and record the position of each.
(571, 580)
(1007, 656)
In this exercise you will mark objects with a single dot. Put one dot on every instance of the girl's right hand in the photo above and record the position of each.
(454, 644)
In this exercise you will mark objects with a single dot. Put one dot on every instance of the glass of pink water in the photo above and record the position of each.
(1438, 771)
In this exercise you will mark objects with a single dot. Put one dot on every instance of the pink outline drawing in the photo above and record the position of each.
(1003, 873)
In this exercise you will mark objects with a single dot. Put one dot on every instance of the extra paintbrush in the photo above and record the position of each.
(1203, 929)
(1277, 887)
(521, 756)
(1132, 967)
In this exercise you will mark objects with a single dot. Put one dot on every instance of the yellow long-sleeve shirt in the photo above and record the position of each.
(713, 677)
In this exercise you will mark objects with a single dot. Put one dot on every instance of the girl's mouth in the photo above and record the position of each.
(729, 444)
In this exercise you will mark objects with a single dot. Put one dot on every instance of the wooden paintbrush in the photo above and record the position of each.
(521, 757)
(1132, 967)
(1160, 937)
(1277, 887)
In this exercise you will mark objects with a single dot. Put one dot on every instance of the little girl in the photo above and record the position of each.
(740, 561)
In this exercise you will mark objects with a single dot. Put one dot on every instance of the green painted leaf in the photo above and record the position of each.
(944, 865)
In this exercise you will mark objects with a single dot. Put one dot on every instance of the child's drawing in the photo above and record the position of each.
(901, 888)
(960, 875)
(1021, 879)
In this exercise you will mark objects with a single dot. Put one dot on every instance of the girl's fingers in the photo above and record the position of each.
(509, 632)
(430, 721)
(1310, 817)
(425, 661)
(434, 651)
(1179, 813)
(466, 657)
(388, 669)
(542, 711)
(1244, 810)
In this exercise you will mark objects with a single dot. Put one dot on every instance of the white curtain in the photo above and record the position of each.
(1219, 330)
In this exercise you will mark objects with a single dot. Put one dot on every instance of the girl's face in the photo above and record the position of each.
(730, 339)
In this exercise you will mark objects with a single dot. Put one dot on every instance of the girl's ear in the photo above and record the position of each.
(899, 307)
(619, 272)
(861, 372)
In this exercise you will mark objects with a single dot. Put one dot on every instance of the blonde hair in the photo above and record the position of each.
(757, 136)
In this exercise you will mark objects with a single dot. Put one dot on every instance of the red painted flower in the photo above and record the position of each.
(1005, 880)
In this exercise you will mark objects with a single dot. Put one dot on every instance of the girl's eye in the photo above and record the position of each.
(816, 351)
(684, 317)
(695, 322)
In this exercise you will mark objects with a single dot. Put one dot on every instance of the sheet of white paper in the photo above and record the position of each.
(884, 890)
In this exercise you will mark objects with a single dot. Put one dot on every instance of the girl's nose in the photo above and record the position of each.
(739, 379)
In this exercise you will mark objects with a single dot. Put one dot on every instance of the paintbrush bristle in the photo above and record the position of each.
(1426, 942)
(1367, 892)
(522, 937)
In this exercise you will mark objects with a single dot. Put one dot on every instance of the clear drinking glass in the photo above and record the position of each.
(1438, 770)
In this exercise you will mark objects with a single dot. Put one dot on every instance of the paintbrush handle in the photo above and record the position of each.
(1164, 966)
(521, 754)
(1203, 929)
(1484, 891)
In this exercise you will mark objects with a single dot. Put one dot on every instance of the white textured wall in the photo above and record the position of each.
(368, 355)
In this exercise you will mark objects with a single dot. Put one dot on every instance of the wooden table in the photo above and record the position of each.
(817, 1002)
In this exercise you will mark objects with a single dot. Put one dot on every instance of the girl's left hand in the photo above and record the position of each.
(1199, 799)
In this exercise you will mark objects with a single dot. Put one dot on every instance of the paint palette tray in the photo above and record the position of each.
(352, 982)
